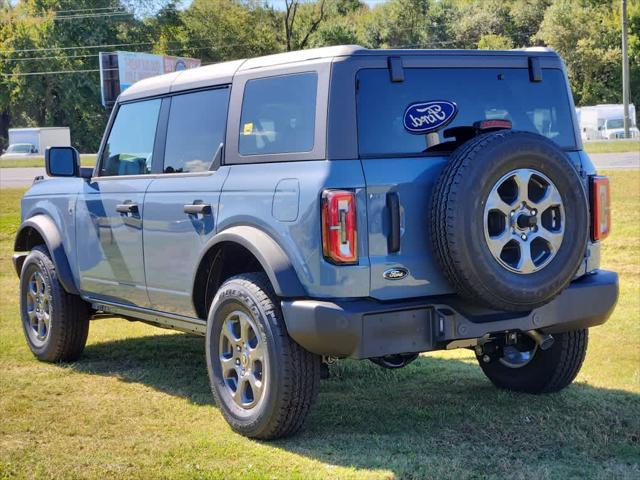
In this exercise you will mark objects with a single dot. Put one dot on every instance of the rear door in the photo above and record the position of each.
(401, 167)
(181, 205)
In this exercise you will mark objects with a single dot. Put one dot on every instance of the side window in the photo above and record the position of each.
(278, 115)
(129, 147)
(196, 130)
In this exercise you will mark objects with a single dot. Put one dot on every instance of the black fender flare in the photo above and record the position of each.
(270, 255)
(49, 232)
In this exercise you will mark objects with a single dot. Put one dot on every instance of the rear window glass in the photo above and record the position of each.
(480, 94)
(278, 115)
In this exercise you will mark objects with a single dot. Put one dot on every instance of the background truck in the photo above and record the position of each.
(40, 138)
(605, 122)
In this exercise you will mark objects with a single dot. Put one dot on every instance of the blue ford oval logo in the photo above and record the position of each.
(426, 117)
(395, 273)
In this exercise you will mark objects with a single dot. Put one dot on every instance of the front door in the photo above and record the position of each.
(110, 211)
(181, 205)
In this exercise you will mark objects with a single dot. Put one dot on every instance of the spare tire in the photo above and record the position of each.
(509, 220)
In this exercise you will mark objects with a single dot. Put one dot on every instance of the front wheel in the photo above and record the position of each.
(263, 382)
(526, 368)
(55, 323)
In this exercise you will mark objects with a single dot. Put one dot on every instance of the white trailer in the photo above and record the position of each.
(40, 137)
(605, 122)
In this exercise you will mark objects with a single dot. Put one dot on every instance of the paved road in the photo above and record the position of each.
(23, 177)
(616, 160)
(18, 177)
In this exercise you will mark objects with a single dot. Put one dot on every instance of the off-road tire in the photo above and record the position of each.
(457, 228)
(548, 371)
(294, 373)
(69, 314)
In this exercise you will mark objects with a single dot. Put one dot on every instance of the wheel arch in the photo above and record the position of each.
(41, 229)
(259, 251)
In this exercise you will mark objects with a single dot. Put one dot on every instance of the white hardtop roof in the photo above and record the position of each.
(221, 73)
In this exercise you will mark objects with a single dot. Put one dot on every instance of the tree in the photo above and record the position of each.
(36, 40)
(475, 19)
(400, 24)
(587, 35)
(228, 29)
(526, 17)
(297, 33)
(492, 41)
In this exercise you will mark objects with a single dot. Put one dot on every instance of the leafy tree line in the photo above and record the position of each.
(59, 36)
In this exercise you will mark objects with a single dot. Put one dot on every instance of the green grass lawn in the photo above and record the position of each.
(86, 160)
(612, 146)
(137, 405)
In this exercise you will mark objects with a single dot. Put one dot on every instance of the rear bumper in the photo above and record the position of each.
(365, 328)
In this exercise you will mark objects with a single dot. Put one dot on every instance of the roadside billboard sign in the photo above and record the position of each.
(120, 70)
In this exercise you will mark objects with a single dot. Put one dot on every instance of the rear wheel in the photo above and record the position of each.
(263, 382)
(55, 323)
(524, 367)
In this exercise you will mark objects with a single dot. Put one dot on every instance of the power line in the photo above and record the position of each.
(78, 16)
(103, 46)
(82, 16)
(50, 57)
(95, 55)
(87, 47)
(55, 72)
(87, 9)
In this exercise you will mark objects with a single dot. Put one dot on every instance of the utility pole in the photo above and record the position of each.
(625, 71)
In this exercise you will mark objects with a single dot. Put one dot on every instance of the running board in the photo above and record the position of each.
(152, 317)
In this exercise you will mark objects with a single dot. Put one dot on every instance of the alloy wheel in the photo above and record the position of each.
(243, 360)
(38, 319)
(524, 221)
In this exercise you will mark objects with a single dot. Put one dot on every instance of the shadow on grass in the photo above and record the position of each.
(436, 417)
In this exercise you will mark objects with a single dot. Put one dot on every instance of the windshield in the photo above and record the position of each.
(615, 123)
(20, 148)
(479, 94)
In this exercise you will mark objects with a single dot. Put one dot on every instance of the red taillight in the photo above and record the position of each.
(600, 208)
(339, 229)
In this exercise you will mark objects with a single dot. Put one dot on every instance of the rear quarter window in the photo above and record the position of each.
(479, 93)
(278, 115)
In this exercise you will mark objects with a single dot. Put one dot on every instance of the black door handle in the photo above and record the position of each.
(393, 205)
(127, 207)
(197, 208)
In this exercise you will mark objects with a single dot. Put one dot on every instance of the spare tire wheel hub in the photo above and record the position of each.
(524, 221)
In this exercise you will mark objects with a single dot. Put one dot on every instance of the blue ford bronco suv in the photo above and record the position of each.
(330, 203)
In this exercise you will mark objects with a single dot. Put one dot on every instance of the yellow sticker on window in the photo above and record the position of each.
(248, 128)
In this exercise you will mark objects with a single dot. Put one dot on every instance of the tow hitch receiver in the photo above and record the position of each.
(513, 348)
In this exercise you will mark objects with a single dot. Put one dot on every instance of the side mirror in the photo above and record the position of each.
(62, 162)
